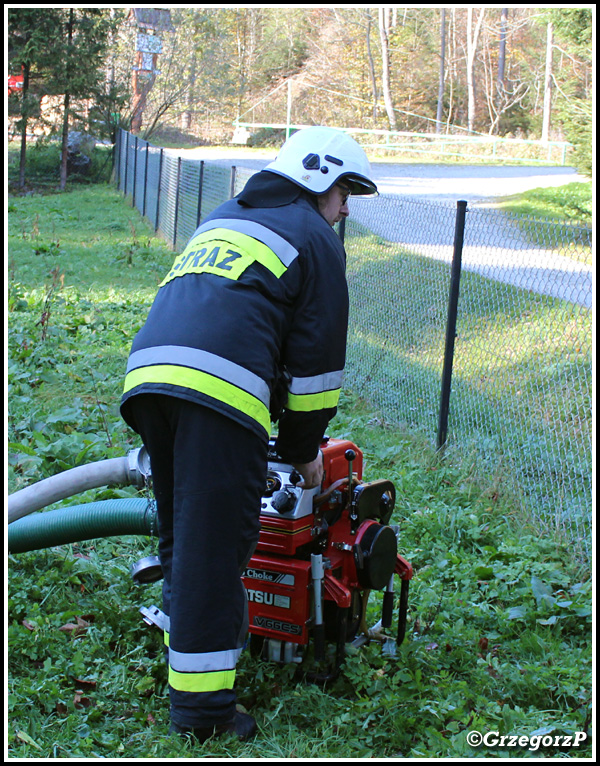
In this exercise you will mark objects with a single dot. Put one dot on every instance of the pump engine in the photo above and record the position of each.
(320, 554)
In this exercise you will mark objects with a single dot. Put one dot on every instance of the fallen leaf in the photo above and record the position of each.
(80, 701)
(68, 627)
(24, 737)
(75, 628)
(86, 683)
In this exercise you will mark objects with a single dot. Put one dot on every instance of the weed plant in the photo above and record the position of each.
(499, 635)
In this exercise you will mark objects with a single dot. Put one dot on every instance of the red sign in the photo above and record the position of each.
(15, 83)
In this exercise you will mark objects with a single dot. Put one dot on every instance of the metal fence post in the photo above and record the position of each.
(160, 167)
(232, 183)
(176, 202)
(459, 235)
(145, 179)
(200, 185)
(135, 154)
(117, 158)
(126, 163)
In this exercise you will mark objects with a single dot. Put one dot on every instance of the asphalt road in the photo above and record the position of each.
(474, 183)
(417, 208)
(436, 183)
(495, 246)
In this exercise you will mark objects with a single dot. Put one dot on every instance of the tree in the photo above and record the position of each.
(440, 101)
(472, 39)
(77, 71)
(504, 92)
(502, 50)
(71, 67)
(29, 30)
(384, 23)
(573, 41)
(369, 21)
(547, 85)
(480, 69)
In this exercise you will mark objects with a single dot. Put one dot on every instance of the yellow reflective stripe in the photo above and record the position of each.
(212, 681)
(211, 252)
(312, 402)
(205, 384)
(166, 637)
(258, 250)
(284, 250)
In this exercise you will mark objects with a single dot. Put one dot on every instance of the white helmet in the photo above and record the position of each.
(316, 158)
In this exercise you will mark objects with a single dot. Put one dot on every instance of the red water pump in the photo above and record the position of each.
(320, 553)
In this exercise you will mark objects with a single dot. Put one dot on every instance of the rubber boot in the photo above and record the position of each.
(243, 726)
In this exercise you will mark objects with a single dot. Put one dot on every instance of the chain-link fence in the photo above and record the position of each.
(520, 355)
(520, 407)
(175, 194)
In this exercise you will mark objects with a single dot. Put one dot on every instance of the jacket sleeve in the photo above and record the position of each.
(314, 352)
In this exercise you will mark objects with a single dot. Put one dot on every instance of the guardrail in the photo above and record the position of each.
(475, 148)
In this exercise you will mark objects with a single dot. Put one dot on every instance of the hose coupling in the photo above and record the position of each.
(138, 464)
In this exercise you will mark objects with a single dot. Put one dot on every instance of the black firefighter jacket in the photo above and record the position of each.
(258, 293)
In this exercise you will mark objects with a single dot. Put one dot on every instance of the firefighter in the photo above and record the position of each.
(247, 328)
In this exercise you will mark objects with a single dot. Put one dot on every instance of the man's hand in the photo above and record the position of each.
(312, 473)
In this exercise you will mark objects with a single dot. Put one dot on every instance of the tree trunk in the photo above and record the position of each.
(371, 66)
(186, 117)
(498, 100)
(440, 102)
(66, 104)
(548, 85)
(64, 151)
(451, 65)
(472, 37)
(385, 60)
(502, 50)
(24, 115)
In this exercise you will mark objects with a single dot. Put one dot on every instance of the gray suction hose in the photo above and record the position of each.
(105, 518)
(130, 470)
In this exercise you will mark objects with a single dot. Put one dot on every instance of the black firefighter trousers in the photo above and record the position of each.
(208, 476)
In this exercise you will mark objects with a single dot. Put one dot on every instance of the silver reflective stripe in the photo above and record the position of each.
(281, 247)
(203, 662)
(204, 361)
(316, 384)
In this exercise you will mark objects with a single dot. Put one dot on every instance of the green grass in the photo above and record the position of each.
(567, 213)
(82, 269)
(42, 172)
(570, 202)
(499, 632)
